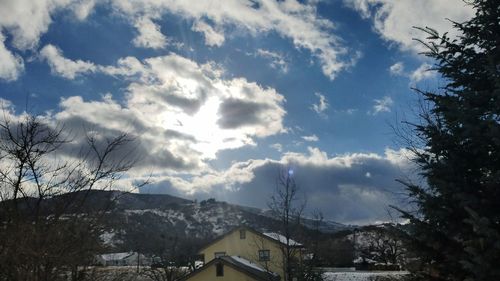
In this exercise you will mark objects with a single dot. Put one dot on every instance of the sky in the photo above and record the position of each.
(223, 96)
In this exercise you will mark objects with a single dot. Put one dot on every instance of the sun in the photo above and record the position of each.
(209, 138)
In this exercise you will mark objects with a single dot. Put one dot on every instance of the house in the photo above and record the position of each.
(122, 259)
(243, 247)
(231, 268)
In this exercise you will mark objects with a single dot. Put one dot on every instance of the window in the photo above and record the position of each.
(219, 254)
(243, 234)
(264, 255)
(219, 269)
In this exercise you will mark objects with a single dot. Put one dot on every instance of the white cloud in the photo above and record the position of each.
(382, 105)
(350, 111)
(422, 72)
(311, 138)
(150, 35)
(397, 69)
(277, 60)
(321, 106)
(277, 146)
(62, 66)
(194, 100)
(243, 172)
(8, 112)
(290, 19)
(198, 111)
(128, 66)
(394, 20)
(213, 37)
(83, 8)
(27, 20)
(11, 65)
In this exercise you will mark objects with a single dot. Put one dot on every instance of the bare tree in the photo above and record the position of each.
(381, 244)
(287, 206)
(167, 259)
(314, 241)
(336, 250)
(46, 178)
(308, 269)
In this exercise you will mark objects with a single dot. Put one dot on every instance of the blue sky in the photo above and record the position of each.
(221, 94)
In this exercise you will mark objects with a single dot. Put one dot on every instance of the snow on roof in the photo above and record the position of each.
(248, 263)
(281, 238)
(116, 256)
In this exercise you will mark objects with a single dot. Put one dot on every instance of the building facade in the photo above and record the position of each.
(250, 248)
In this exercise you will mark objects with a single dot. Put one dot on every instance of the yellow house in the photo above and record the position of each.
(230, 269)
(250, 248)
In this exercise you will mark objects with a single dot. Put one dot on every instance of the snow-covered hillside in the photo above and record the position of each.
(135, 216)
(130, 219)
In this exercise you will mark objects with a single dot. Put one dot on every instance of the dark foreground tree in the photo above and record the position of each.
(287, 206)
(456, 232)
(173, 256)
(46, 233)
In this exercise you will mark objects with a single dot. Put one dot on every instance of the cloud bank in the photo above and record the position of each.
(352, 188)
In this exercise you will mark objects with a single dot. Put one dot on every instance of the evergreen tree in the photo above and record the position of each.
(456, 233)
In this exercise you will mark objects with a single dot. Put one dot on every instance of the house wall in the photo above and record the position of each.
(248, 248)
(230, 274)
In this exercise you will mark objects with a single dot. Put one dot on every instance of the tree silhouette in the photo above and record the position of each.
(286, 206)
(46, 231)
(456, 230)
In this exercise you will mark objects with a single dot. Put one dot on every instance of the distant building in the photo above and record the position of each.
(245, 254)
(123, 259)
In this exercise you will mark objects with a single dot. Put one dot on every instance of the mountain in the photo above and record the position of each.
(164, 225)
(325, 226)
(131, 218)
(131, 221)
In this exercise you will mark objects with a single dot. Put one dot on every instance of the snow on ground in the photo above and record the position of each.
(152, 211)
(108, 238)
(361, 275)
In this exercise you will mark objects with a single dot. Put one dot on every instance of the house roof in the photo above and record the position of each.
(116, 256)
(282, 239)
(238, 263)
(271, 236)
